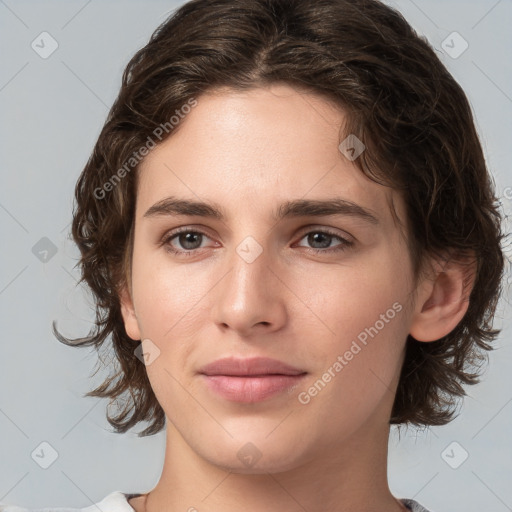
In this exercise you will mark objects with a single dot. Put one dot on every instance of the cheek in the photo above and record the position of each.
(166, 295)
(351, 299)
(169, 308)
(358, 362)
(362, 313)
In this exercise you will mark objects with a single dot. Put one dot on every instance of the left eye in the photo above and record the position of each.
(191, 240)
(324, 239)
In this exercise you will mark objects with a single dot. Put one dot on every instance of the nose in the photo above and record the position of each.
(250, 298)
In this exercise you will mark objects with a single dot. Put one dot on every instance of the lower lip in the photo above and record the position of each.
(251, 389)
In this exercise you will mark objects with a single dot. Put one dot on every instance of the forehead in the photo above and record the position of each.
(253, 149)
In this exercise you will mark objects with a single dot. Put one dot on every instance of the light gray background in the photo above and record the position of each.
(52, 111)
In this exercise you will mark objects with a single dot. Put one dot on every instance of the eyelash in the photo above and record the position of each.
(344, 245)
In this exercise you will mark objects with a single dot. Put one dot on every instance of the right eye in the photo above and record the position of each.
(189, 239)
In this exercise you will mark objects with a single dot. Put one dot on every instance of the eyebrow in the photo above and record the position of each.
(288, 209)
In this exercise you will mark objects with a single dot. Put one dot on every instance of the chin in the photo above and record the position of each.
(256, 454)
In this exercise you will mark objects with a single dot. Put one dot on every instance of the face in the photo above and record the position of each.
(294, 256)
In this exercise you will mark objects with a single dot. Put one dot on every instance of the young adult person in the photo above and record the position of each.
(294, 243)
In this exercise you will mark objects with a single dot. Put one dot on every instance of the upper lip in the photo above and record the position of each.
(252, 366)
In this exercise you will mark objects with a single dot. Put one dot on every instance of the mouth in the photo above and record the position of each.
(250, 380)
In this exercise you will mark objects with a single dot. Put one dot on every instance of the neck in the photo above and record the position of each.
(350, 476)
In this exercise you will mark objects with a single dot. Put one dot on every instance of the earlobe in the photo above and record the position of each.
(443, 299)
(131, 324)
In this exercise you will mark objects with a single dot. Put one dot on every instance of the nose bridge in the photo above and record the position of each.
(250, 271)
(248, 294)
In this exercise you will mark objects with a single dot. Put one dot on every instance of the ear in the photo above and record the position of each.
(443, 298)
(131, 324)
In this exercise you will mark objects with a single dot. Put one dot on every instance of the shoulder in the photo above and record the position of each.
(116, 501)
(414, 506)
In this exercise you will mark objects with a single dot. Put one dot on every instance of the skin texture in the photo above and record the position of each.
(248, 152)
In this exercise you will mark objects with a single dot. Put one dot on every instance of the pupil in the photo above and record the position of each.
(187, 239)
(314, 239)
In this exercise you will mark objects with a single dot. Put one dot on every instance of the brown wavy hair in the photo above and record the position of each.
(399, 99)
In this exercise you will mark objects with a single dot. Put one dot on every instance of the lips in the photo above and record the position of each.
(250, 380)
(249, 367)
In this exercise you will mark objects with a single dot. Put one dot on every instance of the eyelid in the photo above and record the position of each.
(303, 231)
(327, 229)
(170, 233)
(173, 234)
(346, 242)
